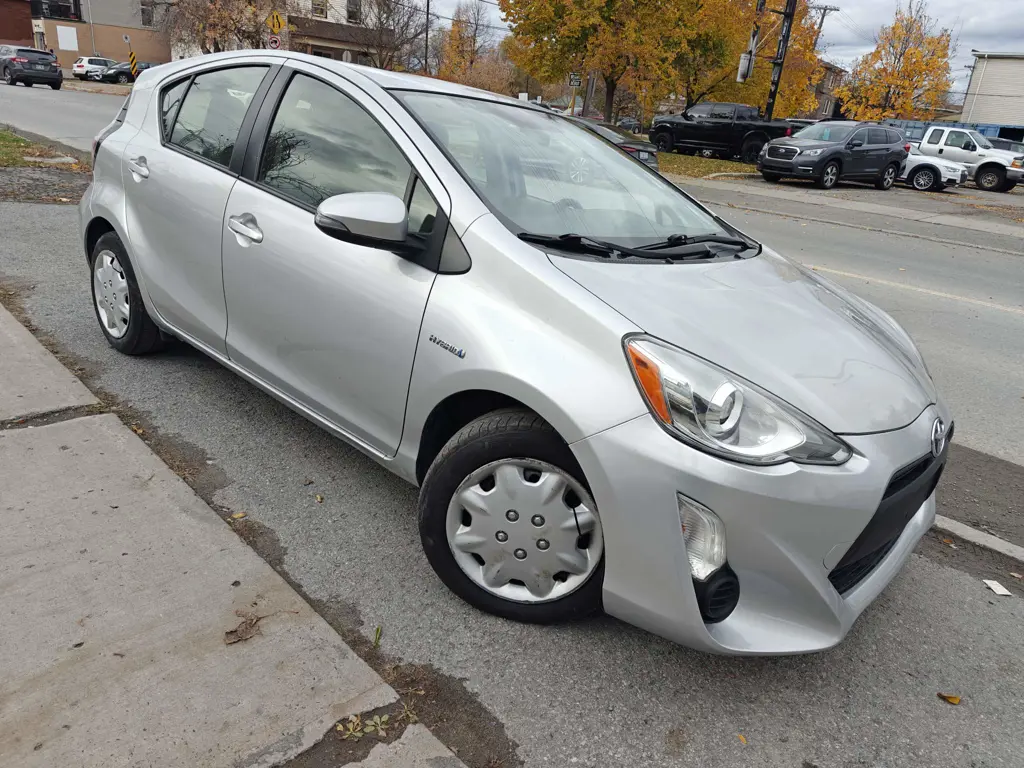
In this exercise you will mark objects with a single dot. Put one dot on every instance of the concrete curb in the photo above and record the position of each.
(731, 175)
(85, 158)
(980, 538)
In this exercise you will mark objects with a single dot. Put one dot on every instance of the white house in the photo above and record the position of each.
(996, 91)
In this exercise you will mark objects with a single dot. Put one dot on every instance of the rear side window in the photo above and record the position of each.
(877, 136)
(935, 136)
(208, 120)
(322, 143)
(170, 100)
(894, 137)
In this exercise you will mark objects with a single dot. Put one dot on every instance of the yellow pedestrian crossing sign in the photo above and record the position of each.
(275, 22)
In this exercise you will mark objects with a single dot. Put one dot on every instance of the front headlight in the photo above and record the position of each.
(811, 152)
(720, 413)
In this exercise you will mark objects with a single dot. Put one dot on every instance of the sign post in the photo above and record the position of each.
(131, 57)
(575, 81)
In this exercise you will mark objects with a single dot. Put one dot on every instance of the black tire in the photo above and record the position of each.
(990, 178)
(771, 178)
(56, 86)
(1008, 186)
(827, 180)
(924, 179)
(27, 83)
(663, 141)
(122, 79)
(503, 434)
(887, 177)
(142, 336)
(8, 77)
(751, 150)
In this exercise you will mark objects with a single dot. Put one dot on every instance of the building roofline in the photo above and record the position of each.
(996, 55)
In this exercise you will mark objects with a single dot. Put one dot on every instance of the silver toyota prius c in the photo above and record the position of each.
(608, 396)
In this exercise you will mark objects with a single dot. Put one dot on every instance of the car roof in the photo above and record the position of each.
(398, 81)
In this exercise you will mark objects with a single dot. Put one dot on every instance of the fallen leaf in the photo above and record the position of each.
(949, 698)
(308, 481)
(742, 738)
(947, 541)
(237, 515)
(247, 628)
(319, 499)
(138, 430)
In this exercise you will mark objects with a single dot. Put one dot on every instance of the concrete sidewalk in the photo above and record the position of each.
(135, 628)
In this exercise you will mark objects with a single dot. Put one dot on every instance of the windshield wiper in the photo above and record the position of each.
(675, 241)
(583, 244)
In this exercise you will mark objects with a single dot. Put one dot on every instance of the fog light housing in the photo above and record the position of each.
(704, 537)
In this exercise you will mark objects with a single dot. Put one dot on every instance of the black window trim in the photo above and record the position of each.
(428, 257)
(856, 133)
(234, 166)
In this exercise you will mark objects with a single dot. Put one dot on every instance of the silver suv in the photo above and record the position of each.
(606, 394)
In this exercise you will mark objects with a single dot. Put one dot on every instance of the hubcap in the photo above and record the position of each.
(889, 177)
(579, 170)
(831, 173)
(110, 292)
(923, 180)
(989, 180)
(524, 530)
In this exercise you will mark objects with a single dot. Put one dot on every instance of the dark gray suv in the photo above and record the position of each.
(29, 66)
(836, 149)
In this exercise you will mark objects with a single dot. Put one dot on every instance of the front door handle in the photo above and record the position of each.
(940, 151)
(245, 226)
(138, 166)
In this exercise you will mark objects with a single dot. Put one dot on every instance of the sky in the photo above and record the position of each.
(987, 25)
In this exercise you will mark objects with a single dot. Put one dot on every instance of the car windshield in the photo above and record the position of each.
(980, 140)
(541, 174)
(824, 132)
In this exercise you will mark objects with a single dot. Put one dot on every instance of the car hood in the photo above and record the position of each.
(789, 141)
(834, 356)
(1003, 154)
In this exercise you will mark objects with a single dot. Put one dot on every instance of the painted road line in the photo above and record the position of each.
(916, 289)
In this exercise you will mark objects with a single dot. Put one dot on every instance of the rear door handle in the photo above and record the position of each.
(245, 226)
(138, 166)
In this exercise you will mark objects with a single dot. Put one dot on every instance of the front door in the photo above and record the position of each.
(721, 128)
(180, 171)
(953, 148)
(331, 324)
(858, 161)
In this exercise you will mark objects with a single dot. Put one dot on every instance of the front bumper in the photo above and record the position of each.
(787, 527)
(1015, 174)
(809, 167)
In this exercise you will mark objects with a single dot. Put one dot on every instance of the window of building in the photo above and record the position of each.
(319, 9)
(212, 112)
(354, 11)
(146, 12)
(323, 144)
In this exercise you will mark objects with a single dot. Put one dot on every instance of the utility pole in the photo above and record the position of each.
(825, 11)
(780, 55)
(426, 43)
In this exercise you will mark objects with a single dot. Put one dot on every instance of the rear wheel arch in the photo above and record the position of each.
(96, 229)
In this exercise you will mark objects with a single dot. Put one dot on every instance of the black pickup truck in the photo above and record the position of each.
(712, 128)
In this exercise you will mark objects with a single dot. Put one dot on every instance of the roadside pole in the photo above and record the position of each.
(780, 55)
(575, 81)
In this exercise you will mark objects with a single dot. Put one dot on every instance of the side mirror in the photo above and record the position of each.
(968, 146)
(366, 218)
(856, 143)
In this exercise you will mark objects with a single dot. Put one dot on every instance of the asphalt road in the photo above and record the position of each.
(70, 117)
(600, 693)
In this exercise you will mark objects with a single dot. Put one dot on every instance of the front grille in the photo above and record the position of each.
(782, 153)
(849, 576)
(908, 488)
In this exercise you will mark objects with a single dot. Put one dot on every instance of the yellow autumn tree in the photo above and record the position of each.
(907, 75)
(620, 39)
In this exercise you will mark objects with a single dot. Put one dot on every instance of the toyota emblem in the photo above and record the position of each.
(938, 437)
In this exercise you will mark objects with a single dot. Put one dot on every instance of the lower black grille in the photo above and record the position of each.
(846, 578)
(782, 153)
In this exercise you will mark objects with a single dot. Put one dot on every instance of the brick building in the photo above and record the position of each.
(15, 22)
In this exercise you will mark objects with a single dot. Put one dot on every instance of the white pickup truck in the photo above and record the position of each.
(995, 170)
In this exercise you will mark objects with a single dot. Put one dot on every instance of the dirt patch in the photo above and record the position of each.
(43, 185)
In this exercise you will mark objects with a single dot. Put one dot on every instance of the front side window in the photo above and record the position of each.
(212, 112)
(701, 110)
(980, 140)
(722, 111)
(543, 174)
(957, 139)
(322, 144)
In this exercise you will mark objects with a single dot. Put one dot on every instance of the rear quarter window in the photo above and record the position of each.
(935, 136)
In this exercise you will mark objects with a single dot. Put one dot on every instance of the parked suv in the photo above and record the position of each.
(836, 149)
(86, 65)
(565, 370)
(992, 169)
(30, 66)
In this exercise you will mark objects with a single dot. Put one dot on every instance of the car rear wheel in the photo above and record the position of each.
(751, 149)
(117, 301)
(888, 177)
(829, 175)
(56, 86)
(991, 178)
(508, 523)
(122, 79)
(923, 179)
(8, 77)
(27, 83)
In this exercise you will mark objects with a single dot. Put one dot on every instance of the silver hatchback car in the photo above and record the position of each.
(607, 395)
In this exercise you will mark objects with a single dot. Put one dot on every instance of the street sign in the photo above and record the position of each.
(275, 22)
(126, 38)
(273, 42)
(134, 63)
(575, 81)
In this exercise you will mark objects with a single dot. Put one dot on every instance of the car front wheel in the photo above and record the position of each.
(770, 177)
(508, 523)
(888, 177)
(829, 175)
(923, 179)
(117, 301)
(663, 142)
(8, 77)
(56, 86)
(991, 179)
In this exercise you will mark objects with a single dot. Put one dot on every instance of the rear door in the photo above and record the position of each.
(331, 324)
(878, 149)
(177, 173)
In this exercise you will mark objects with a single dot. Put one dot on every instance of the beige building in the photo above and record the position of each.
(74, 28)
(331, 28)
(996, 91)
